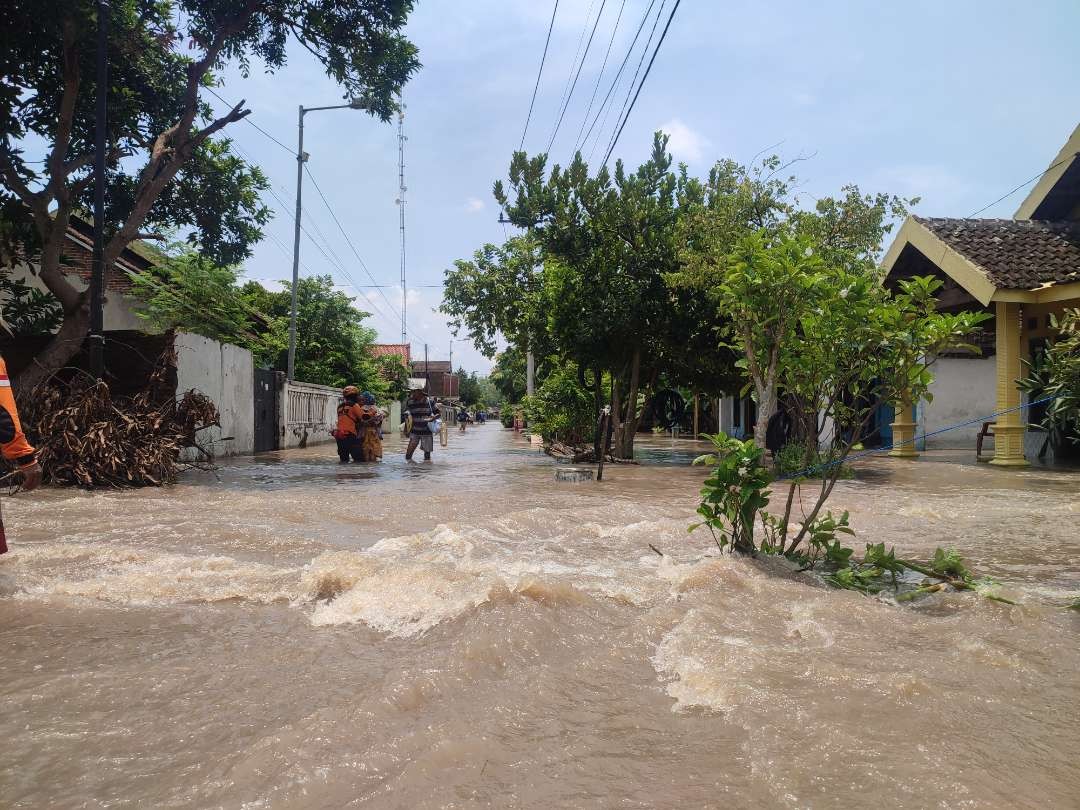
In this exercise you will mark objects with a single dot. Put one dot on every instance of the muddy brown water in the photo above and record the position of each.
(471, 633)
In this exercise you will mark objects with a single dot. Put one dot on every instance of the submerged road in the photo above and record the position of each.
(469, 633)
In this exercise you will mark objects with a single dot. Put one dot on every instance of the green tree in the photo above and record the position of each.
(187, 290)
(845, 344)
(607, 242)
(395, 375)
(167, 168)
(26, 310)
(1057, 375)
(333, 346)
(468, 387)
(561, 409)
(748, 248)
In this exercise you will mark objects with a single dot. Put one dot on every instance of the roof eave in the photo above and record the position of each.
(952, 263)
(1058, 166)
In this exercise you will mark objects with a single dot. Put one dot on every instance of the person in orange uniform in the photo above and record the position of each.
(13, 444)
(349, 416)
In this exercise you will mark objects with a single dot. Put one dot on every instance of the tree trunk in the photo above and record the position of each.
(65, 344)
(766, 391)
(626, 427)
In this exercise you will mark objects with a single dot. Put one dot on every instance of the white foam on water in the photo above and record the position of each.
(133, 577)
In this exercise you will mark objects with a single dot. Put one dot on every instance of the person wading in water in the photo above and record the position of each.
(422, 414)
(13, 444)
(370, 428)
(349, 416)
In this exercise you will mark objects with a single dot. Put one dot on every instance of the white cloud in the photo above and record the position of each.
(474, 205)
(686, 144)
(938, 186)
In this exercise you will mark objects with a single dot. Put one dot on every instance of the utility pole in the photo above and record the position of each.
(301, 159)
(401, 211)
(97, 268)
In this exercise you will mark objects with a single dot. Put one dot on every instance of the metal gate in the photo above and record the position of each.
(267, 427)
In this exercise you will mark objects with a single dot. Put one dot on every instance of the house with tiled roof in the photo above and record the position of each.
(402, 350)
(75, 262)
(1022, 271)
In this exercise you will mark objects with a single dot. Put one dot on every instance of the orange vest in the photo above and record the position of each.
(348, 417)
(13, 443)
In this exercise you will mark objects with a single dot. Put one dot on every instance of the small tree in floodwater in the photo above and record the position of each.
(849, 344)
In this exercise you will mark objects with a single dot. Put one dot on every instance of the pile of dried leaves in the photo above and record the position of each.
(86, 437)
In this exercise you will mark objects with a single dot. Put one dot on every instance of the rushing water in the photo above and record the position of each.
(470, 633)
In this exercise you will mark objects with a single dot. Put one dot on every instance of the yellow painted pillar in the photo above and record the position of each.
(1009, 428)
(903, 430)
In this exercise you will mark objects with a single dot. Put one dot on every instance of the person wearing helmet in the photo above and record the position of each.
(349, 417)
(13, 444)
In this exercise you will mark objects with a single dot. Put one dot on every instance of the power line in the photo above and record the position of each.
(247, 118)
(600, 75)
(577, 75)
(637, 71)
(352, 247)
(336, 261)
(605, 108)
(539, 73)
(626, 118)
(1025, 183)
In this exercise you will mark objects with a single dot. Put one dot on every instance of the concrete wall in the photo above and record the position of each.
(963, 389)
(225, 374)
(310, 413)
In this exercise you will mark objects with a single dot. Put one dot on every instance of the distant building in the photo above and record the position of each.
(402, 350)
(441, 381)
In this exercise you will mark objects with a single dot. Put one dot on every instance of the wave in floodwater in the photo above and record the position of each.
(318, 639)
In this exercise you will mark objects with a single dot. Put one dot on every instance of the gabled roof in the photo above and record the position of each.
(1014, 255)
(403, 350)
(1057, 194)
(996, 259)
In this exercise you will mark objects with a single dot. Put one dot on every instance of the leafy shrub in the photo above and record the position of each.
(734, 493)
(791, 462)
(561, 409)
(506, 415)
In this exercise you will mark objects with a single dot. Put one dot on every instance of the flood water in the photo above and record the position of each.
(470, 633)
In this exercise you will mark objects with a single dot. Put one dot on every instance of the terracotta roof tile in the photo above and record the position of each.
(1014, 254)
(391, 349)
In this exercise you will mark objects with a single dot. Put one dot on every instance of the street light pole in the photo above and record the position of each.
(301, 159)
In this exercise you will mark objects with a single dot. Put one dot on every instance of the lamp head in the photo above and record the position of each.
(359, 103)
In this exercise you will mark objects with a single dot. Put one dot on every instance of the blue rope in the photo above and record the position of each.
(877, 450)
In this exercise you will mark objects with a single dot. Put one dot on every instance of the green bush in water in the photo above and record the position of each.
(791, 461)
(562, 409)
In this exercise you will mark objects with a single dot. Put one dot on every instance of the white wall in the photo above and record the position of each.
(119, 308)
(225, 374)
(310, 413)
(963, 389)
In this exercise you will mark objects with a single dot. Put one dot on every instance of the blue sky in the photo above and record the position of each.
(956, 102)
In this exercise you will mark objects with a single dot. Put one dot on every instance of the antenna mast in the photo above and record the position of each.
(401, 211)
